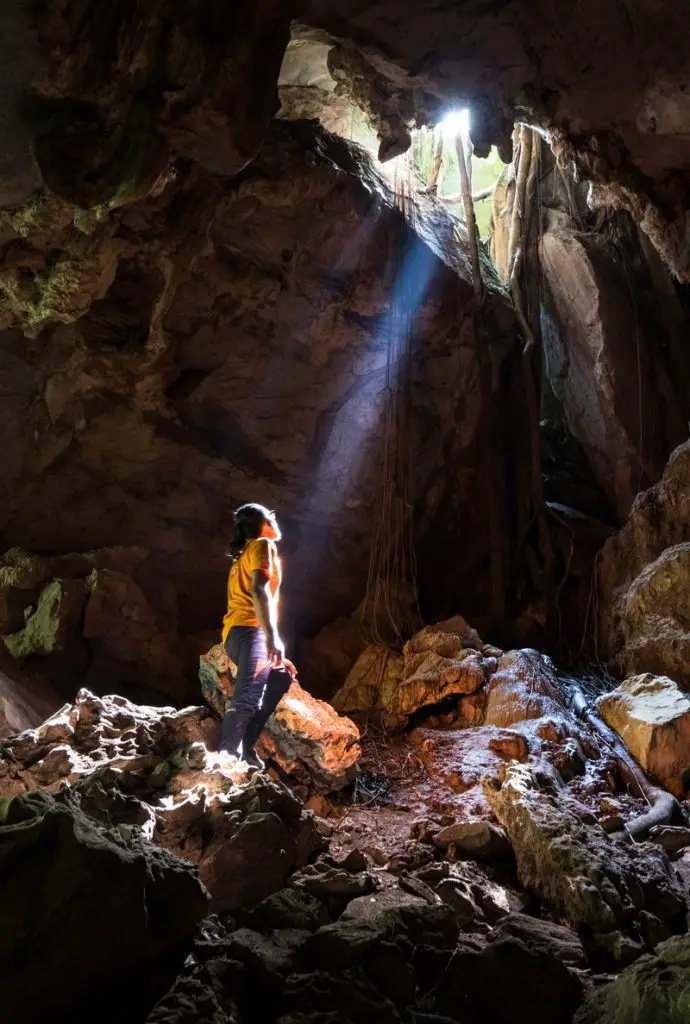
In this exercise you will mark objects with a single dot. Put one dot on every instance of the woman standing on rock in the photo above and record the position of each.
(250, 631)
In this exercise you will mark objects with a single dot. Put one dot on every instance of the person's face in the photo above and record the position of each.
(270, 528)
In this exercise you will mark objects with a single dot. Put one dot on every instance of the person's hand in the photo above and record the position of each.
(275, 650)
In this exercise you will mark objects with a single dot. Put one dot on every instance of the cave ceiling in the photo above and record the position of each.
(95, 100)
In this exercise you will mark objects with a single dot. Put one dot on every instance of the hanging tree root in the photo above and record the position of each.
(523, 260)
(434, 181)
(491, 450)
(663, 806)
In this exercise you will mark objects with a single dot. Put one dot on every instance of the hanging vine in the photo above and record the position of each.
(524, 281)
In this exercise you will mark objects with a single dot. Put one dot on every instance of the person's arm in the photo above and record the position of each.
(266, 614)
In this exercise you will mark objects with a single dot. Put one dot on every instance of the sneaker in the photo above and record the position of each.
(252, 759)
(221, 760)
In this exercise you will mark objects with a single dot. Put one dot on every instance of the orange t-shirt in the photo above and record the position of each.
(257, 554)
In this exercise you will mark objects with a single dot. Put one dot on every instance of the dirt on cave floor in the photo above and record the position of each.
(436, 772)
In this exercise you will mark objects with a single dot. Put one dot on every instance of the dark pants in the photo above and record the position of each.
(257, 691)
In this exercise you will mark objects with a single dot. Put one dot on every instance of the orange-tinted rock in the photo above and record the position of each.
(652, 717)
(524, 687)
(372, 682)
(301, 731)
(434, 665)
(512, 746)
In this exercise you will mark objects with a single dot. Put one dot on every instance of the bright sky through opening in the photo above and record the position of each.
(457, 122)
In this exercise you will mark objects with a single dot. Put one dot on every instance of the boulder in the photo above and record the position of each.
(81, 902)
(333, 884)
(435, 664)
(654, 990)
(371, 682)
(565, 858)
(655, 616)
(96, 733)
(374, 908)
(289, 908)
(642, 581)
(303, 732)
(200, 995)
(487, 984)
(652, 717)
(544, 935)
(146, 772)
(474, 839)
(524, 687)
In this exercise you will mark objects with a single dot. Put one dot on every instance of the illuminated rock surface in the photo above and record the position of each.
(642, 580)
(302, 735)
(652, 717)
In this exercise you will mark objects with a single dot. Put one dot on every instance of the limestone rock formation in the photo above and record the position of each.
(522, 688)
(87, 616)
(147, 771)
(500, 62)
(613, 329)
(305, 919)
(641, 579)
(548, 988)
(79, 898)
(595, 882)
(435, 664)
(627, 408)
(302, 734)
(656, 988)
(372, 681)
(652, 717)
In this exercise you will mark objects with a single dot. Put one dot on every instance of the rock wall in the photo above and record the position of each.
(642, 609)
(229, 340)
(615, 353)
(614, 330)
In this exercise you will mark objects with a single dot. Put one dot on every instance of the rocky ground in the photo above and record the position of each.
(480, 853)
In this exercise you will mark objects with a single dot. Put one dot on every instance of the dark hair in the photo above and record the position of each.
(247, 523)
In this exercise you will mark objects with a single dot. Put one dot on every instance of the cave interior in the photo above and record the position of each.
(417, 277)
